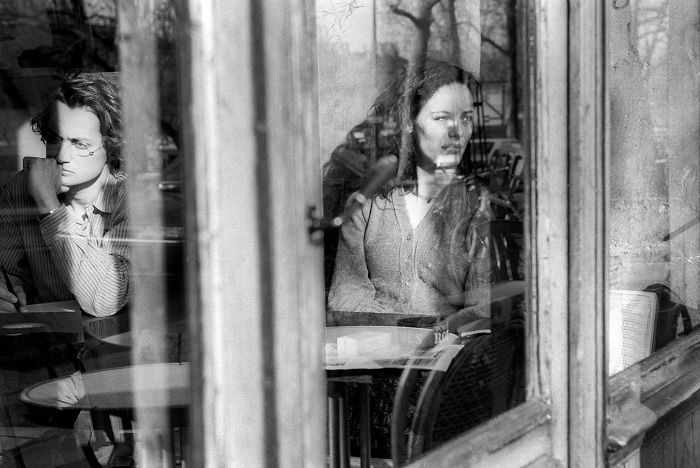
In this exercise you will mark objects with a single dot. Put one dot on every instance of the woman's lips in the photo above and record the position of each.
(452, 149)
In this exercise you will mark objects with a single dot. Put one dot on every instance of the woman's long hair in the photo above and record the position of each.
(400, 102)
(457, 209)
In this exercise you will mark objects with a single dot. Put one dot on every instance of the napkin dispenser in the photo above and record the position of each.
(362, 342)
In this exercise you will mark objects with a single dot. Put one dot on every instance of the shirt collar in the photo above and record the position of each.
(110, 195)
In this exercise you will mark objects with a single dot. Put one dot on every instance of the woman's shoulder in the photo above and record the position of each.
(390, 199)
(464, 189)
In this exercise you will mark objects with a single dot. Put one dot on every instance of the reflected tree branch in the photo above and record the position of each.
(495, 45)
(401, 12)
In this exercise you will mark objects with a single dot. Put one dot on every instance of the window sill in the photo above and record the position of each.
(481, 446)
(649, 390)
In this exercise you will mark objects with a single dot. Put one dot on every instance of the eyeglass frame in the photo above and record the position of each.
(59, 142)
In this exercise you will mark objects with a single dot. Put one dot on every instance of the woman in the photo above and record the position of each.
(408, 249)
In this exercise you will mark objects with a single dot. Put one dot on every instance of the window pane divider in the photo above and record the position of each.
(587, 242)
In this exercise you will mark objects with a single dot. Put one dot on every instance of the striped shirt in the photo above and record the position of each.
(61, 258)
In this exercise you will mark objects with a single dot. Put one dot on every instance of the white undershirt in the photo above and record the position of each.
(416, 207)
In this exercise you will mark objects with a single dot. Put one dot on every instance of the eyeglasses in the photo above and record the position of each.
(79, 148)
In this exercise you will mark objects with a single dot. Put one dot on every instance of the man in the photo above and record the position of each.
(63, 217)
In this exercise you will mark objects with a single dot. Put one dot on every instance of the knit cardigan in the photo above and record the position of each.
(384, 265)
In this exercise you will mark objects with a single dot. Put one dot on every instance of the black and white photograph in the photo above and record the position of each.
(350, 233)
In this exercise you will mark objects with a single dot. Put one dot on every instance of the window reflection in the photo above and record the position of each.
(653, 173)
(80, 384)
(429, 183)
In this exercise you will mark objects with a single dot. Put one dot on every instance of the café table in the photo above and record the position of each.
(57, 317)
(113, 390)
(119, 392)
(341, 371)
(395, 347)
(505, 301)
(404, 341)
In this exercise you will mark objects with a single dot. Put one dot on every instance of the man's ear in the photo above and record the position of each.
(409, 127)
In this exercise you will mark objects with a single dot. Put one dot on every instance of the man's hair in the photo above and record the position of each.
(96, 93)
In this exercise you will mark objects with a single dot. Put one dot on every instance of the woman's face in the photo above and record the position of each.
(444, 125)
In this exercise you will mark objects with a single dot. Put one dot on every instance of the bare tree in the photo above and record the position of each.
(456, 51)
(421, 20)
(419, 47)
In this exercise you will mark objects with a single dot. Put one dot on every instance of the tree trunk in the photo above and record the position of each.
(513, 129)
(419, 48)
(456, 51)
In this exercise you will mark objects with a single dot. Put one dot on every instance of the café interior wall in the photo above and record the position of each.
(654, 146)
(22, 89)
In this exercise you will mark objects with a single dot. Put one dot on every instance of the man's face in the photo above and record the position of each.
(80, 130)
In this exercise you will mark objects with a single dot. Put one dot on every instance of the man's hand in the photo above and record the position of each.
(8, 300)
(44, 182)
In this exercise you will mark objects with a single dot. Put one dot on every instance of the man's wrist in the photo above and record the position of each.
(48, 213)
(45, 206)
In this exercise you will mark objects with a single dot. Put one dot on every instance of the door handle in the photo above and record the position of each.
(318, 225)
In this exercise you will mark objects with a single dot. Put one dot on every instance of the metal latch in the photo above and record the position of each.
(318, 225)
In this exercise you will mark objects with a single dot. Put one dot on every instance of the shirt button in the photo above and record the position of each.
(407, 283)
(408, 237)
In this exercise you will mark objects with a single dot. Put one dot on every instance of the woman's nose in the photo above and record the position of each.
(456, 130)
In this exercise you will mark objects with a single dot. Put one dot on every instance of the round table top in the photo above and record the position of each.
(120, 388)
(22, 328)
(382, 347)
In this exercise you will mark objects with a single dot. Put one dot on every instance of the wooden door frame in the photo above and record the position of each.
(255, 281)
(252, 118)
(587, 239)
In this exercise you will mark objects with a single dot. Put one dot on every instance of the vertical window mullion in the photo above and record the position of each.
(586, 236)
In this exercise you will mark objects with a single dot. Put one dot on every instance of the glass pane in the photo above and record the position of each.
(93, 355)
(653, 172)
(424, 169)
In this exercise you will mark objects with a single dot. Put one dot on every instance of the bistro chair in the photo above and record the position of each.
(485, 379)
(502, 241)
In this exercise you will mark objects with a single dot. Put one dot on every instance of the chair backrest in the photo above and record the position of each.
(503, 243)
(485, 379)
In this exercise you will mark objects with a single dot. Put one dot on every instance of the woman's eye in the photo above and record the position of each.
(467, 118)
(440, 117)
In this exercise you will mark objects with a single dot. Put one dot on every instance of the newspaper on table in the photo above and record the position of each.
(374, 351)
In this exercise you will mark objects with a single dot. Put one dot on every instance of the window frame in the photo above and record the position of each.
(536, 432)
(587, 114)
(555, 426)
(251, 117)
(649, 396)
